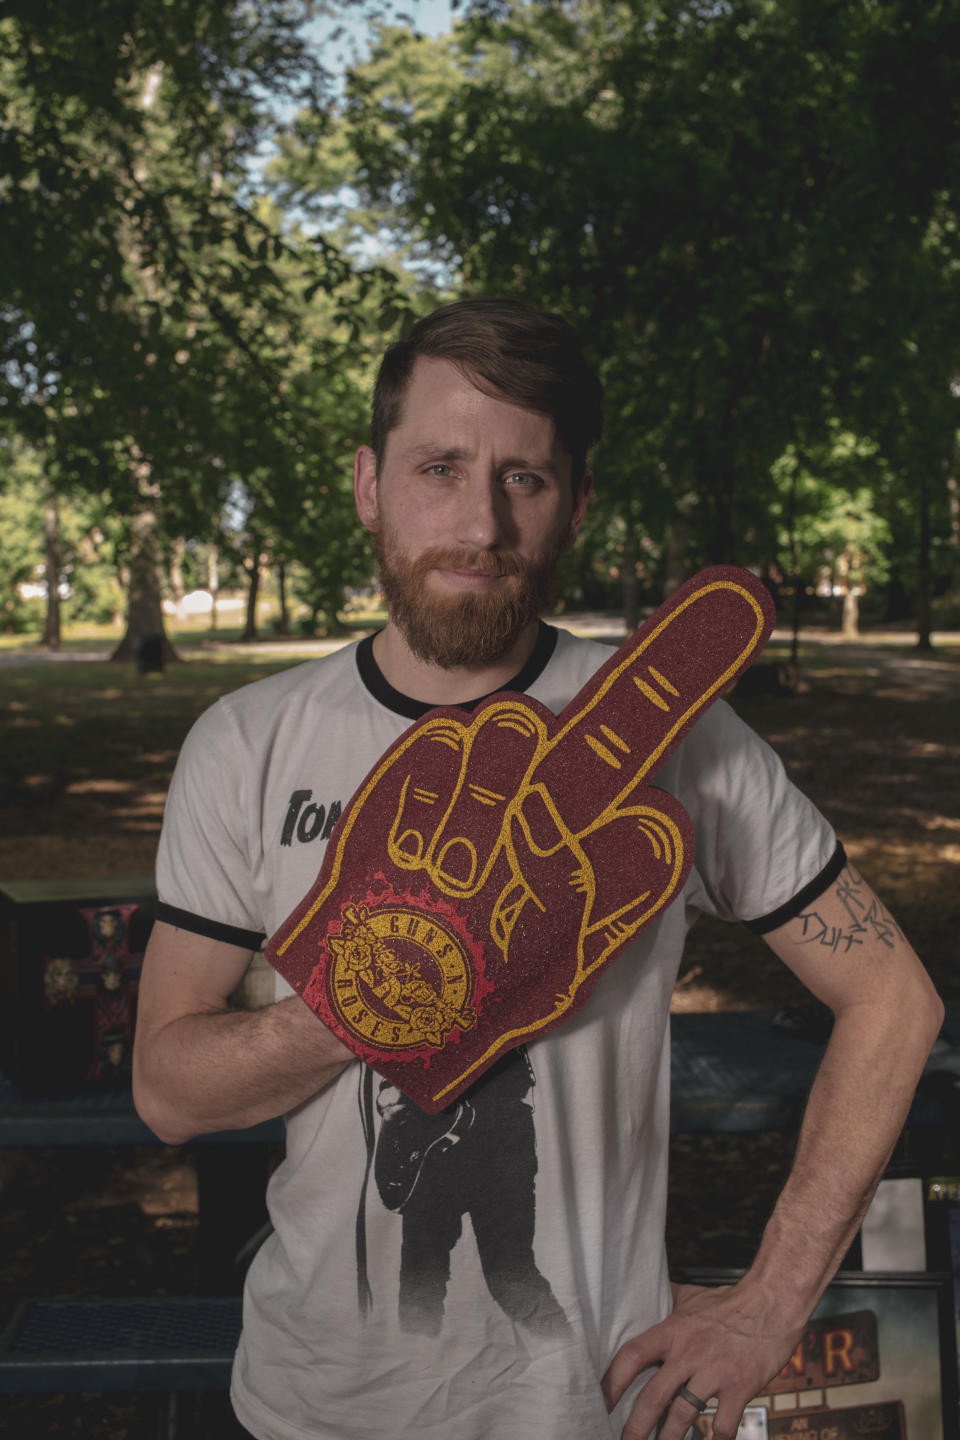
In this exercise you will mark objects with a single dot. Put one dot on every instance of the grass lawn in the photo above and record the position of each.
(87, 756)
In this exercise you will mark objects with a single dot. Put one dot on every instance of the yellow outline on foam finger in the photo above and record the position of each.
(450, 732)
(582, 973)
(349, 820)
(639, 650)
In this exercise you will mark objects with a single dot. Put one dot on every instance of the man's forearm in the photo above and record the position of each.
(855, 1113)
(227, 1069)
(731, 1342)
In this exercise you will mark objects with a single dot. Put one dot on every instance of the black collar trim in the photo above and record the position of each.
(381, 689)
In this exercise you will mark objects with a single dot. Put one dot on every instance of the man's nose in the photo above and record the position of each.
(482, 515)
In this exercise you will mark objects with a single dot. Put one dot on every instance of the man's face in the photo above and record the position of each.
(472, 507)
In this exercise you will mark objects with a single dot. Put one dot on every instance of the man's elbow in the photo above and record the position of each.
(918, 1015)
(935, 1014)
(904, 1012)
(170, 1125)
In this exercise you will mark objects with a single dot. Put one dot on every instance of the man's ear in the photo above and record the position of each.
(581, 500)
(365, 488)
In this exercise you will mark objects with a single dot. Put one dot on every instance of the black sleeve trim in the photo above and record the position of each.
(802, 899)
(211, 929)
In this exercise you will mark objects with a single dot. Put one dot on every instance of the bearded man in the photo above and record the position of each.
(552, 1314)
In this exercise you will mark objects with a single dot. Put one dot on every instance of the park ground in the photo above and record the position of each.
(872, 736)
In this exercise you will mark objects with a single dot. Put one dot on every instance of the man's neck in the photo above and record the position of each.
(434, 685)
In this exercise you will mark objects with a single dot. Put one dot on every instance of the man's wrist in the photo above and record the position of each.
(325, 1048)
(789, 1274)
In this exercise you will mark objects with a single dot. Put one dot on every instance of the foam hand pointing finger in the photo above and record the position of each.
(492, 864)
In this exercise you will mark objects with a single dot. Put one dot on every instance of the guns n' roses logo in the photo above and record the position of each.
(399, 977)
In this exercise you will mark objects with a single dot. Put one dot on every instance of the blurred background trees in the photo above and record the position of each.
(748, 208)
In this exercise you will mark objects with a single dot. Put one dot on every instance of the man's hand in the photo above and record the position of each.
(489, 867)
(723, 1344)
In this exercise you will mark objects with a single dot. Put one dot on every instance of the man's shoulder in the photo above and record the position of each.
(574, 660)
(255, 709)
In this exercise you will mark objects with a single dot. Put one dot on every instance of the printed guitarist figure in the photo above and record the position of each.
(478, 1159)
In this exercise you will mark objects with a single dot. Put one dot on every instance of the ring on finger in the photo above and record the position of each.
(684, 1394)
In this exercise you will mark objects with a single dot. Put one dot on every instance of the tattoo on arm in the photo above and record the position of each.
(867, 918)
(816, 931)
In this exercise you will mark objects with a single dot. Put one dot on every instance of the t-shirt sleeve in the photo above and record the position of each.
(763, 849)
(203, 866)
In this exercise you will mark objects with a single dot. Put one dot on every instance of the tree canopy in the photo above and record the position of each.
(748, 208)
(159, 325)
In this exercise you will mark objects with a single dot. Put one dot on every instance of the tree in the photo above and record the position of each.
(725, 197)
(69, 552)
(828, 524)
(151, 301)
(21, 508)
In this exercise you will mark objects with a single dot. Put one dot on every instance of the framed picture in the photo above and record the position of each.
(943, 1231)
(878, 1359)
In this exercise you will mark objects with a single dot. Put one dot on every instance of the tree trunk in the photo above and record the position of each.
(145, 630)
(850, 624)
(675, 555)
(628, 580)
(213, 583)
(283, 620)
(720, 542)
(333, 604)
(795, 624)
(177, 547)
(794, 564)
(924, 617)
(50, 639)
(953, 507)
(252, 567)
(145, 639)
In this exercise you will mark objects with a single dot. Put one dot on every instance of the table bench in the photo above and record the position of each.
(732, 1072)
(165, 1345)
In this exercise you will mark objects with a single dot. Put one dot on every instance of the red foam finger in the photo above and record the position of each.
(501, 746)
(626, 721)
(488, 868)
(427, 776)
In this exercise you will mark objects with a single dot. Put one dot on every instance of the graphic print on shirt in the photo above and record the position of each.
(308, 820)
(476, 1159)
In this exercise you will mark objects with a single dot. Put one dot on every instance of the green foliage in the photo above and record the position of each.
(749, 209)
(21, 529)
(87, 543)
(165, 332)
(826, 517)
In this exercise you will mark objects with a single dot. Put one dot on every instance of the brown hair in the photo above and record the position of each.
(529, 357)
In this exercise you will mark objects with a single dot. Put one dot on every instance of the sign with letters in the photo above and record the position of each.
(837, 1350)
(859, 1422)
(876, 1362)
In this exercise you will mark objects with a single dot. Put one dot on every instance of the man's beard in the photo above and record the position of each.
(473, 628)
